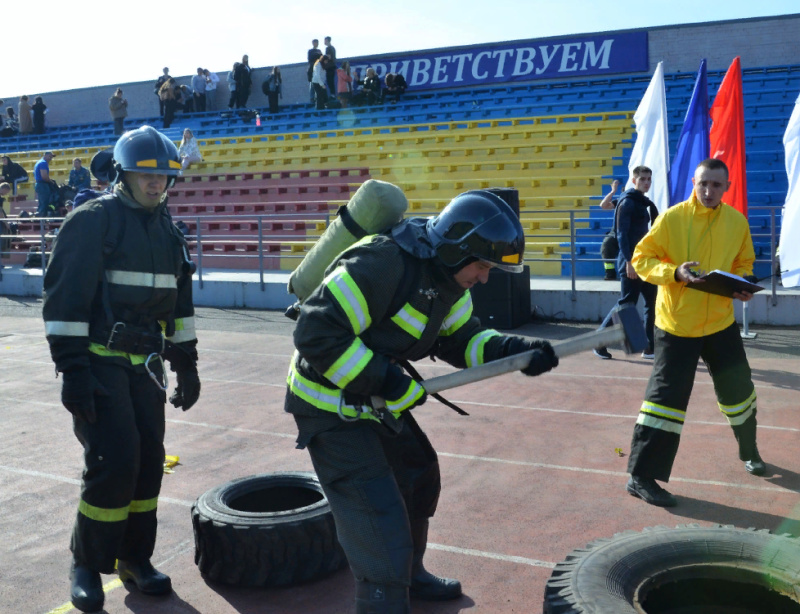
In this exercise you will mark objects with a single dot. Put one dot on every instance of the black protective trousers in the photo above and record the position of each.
(657, 432)
(124, 464)
(376, 482)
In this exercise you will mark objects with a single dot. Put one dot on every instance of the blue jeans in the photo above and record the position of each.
(46, 197)
(629, 292)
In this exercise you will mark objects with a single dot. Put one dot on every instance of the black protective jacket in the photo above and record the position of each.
(115, 261)
(366, 313)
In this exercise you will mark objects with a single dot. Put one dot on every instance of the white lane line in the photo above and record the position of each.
(492, 555)
(489, 459)
(236, 429)
(76, 482)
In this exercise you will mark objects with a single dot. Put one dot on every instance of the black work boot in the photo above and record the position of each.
(381, 599)
(86, 592)
(649, 491)
(147, 578)
(424, 585)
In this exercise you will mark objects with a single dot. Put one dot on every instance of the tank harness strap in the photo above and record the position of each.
(413, 373)
(352, 226)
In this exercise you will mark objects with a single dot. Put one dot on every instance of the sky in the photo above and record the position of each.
(86, 43)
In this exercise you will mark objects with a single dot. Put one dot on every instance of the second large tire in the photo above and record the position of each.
(690, 569)
(273, 529)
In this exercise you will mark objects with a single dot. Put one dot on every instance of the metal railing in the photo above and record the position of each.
(45, 230)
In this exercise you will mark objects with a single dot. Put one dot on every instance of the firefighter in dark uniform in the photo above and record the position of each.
(377, 468)
(118, 299)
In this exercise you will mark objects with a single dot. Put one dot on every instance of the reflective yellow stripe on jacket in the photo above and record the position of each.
(459, 315)
(350, 299)
(321, 397)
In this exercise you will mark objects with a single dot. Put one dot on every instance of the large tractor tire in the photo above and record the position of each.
(686, 570)
(273, 529)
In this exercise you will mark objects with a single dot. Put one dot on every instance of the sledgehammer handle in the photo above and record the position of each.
(574, 345)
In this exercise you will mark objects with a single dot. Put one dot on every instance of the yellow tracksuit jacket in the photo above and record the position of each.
(716, 238)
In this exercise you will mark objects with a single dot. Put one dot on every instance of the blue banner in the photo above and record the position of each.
(552, 58)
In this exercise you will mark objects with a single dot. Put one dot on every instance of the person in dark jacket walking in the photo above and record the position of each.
(117, 300)
(635, 212)
(387, 300)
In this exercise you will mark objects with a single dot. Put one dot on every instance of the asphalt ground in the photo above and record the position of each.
(537, 469)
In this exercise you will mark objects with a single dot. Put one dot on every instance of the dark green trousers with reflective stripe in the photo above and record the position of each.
(653, 449)
(376, 482)
(124, 456)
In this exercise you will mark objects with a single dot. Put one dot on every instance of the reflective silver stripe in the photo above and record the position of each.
(411, 321)
(184, 330)
(460, 313)
(474, 353)
(658, 423)
(739, 414)
(349, 296)
(66, 329)
(350, 364)
(139, 278)
(662, 411)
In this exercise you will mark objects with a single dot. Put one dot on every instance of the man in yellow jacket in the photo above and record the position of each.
(701, 234)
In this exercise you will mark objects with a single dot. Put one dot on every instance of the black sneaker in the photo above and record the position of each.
(650, 492)
(602, 353)
(755, 466)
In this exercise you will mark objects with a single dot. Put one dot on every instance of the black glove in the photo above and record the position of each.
(78, 390)
(400, 391)
(188, 389)
(543, 358)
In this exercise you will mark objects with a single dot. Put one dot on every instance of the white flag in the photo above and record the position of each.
(652, 139)
(790, 222)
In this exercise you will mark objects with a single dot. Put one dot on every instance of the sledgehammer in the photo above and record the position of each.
(627, 329)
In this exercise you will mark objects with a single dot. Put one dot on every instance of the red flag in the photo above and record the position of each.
(727, 135)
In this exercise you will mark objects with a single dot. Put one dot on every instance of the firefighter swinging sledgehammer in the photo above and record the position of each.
(377, 468)
(118, 299)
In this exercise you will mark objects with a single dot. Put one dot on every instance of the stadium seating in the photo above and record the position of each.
(273, 187)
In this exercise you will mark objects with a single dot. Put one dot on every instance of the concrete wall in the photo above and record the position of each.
(763, 41)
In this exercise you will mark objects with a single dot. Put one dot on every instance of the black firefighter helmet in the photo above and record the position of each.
(146, 150)
(478, 225)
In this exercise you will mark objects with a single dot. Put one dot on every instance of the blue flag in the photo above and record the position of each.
(693, 143)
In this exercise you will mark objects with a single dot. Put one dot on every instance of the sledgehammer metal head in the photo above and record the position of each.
(635, 339)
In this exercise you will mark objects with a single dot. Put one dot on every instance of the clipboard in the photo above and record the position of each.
(724, 284)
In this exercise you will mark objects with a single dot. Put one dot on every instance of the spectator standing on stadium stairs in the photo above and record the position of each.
(168, 95)
(313, 55)
(330, 68)
(39, 109)
(273, 88)
(318, 81)
(609, 202)
(231, 80)
(188, 150)
(377, 467)
(701, 234)
(212, 82)
(244, 82)
(184, 99)
(13, 173)
(634, 215)
(25, 115)
(344, 84)
(199, 91)
(108, 341)
(45, 187)
(79, 177)
(118, 106)
(159, 82)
